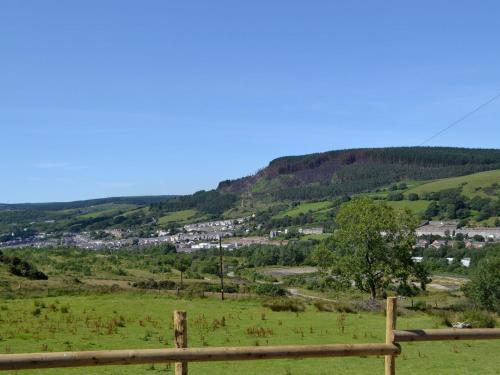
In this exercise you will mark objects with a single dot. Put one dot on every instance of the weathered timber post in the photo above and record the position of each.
(180, 336)
(390, 326)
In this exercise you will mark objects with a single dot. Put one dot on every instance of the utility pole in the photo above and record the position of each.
(221, 269)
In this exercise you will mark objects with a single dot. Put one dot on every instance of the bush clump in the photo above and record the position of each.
(470, 318)
(480, 319)
(19, 267)
(420, 306)
(338, 306)
(270, 290)
(285, 304)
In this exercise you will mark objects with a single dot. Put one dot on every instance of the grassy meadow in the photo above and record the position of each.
(126, 320)
(472, 184)
(304, 208)
(177, 216)
(416, 207)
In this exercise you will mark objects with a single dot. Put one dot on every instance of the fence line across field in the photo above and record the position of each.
(181, 355)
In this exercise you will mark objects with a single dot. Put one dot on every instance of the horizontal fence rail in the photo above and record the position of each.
(133, 357)
(182, 355)
(446, 334)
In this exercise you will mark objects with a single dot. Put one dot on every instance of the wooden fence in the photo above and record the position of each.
(182, 355)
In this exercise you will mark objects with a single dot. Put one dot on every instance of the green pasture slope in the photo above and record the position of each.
(416, 207)
(304, 208)
(144, 320)
(473, 184)
(178, 216)
(107, 209)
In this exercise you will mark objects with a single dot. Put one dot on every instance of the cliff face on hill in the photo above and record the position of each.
(355, 170)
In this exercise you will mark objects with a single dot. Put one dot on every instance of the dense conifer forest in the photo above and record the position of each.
(344, 172)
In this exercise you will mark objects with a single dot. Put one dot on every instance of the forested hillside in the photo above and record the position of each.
(277, 193)
(345, 172)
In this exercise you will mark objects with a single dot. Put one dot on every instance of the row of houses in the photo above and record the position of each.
(305, 231)
(464, 261)
(217, 225)
(438, 244)
(450, 229)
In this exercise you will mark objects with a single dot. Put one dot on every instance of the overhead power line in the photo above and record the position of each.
(456, 122)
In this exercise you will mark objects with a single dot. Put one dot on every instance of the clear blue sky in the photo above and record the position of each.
(107, 98)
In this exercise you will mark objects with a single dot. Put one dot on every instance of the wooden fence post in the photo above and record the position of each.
(180, 336)
(390, 326)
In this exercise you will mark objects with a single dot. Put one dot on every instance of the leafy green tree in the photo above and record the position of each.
(432, 210)
(478, 238)
(484, 287)
(413, 197)
(182, 265)
(422, 275)
(374, 243)
(395, 197)
(322, 257)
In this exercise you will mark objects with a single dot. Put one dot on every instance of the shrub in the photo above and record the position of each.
(367, 305)
(195, 290)
(120, 272)
(484, 287)
(475, 318)
(395, 197)
(479, 319)
(324, 306)
(19, 267)
(271, 290)
(446, 318)
(420, 306)
(344, 307)
(339, 306)
(406, 290)
(462, 306)
(285, 304)
(215, 288)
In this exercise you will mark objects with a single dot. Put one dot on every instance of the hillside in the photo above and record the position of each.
(23, 219)
(80, 204)
(281, 194)
(343, 172)
(477, 184)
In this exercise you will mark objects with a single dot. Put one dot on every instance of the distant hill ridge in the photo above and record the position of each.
(350, 171)
(139, 200)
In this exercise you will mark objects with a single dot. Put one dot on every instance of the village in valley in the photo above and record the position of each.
(433, 234)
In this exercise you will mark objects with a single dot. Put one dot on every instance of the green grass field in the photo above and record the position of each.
(108, 209)
(472, 184)
(177, 216)
(304, 208)
(317, 237)
(144, 320)
(416, 207)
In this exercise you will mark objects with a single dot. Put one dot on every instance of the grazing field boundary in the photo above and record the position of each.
(181, 355)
